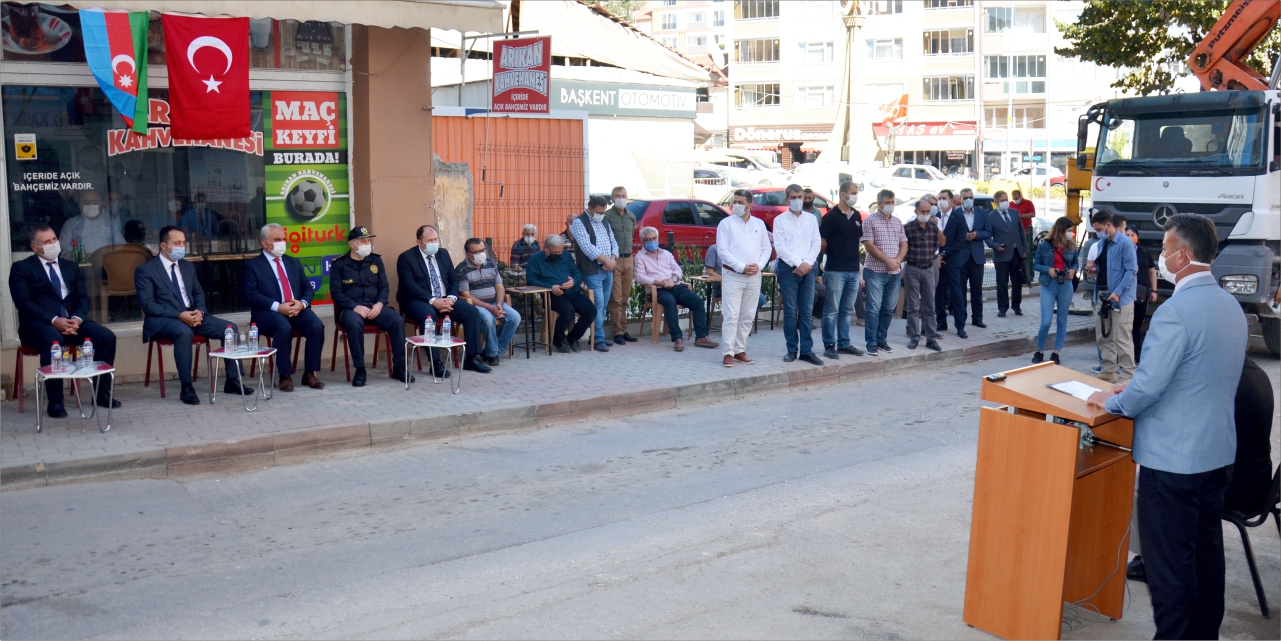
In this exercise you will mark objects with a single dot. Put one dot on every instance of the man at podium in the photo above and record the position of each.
(1182, 401)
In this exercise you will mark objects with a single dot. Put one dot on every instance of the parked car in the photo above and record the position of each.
(768, 202)
(910, 182)
(691, 221)
(1035, 176)
(749, 169)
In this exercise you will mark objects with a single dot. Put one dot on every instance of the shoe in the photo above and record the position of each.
(942, 327)
(398, 374)
(575, 346)
(113, 404)
(1096, 369)
(811, 359)
(438, 370)
(619, 339)
(562, 348)
(962, 334)
(237, 387)
(727, 361)
(1018, 312)
(742, 358)
(851, 350)
(871, 350)
(934, 345)
(602, 346)
(189, 396)
(629, 338)
(56, 410)
(1000, 314)
(359, 379)
(1038, 358)
(830, 352)
(884, 347)
(1135, 570)
(1055, 357)
(491, 361)
(862, 322)
(979, 324)
(913, 343)
(286, 384)
(309, 379)
(791, 356)
(706, 342)
(678, 345)
(474, 365)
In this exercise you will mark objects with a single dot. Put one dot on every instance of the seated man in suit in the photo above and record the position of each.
(429, 287)
(49, 293)
(279, 300)
(358, 285)
(174, 306)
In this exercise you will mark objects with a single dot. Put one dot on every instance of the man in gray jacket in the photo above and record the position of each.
(1009, 252)
(1182, 400)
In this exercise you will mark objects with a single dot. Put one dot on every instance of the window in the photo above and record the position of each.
(696, 18)
(1000, 19)
(948, 88)
(1018, 67)
(669, 3)
(669, 41)
(678, 214)
(1025, 117)
(1029, 20)
(884, 7)
(817, 52)
(948, 4)
(948, 42)
(710, 215)
(718, 18)
(756, 95)
(755, 9)
(885, 49)
(668, 21)
(756, 50)
(696, 41)
(703, 94)
(815, 97)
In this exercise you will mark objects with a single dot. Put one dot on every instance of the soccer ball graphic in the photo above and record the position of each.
(307, 199)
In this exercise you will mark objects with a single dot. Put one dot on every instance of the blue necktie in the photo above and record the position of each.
(57, 287)
(177, 289)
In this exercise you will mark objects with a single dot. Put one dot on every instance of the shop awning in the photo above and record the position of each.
(470, 15)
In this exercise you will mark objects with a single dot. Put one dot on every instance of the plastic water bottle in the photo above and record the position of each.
(447, 329)
(55, 357)
(429, 328)
(253, 336)
(86, 352)
(229, 339)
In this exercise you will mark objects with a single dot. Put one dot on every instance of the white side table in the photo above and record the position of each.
(237, 356)
(78, 371)
(444, 343)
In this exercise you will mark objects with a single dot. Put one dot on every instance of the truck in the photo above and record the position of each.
(1216, 153)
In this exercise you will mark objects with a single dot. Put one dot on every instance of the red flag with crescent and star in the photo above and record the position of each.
(208, 61)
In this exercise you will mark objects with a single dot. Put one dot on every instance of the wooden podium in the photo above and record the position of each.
(1051, 520)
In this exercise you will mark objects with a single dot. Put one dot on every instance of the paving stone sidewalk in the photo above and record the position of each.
(153, 437)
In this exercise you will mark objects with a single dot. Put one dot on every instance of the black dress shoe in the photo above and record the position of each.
(629, 338)
(932, 344)
(619, 339)
(235, 386)
(399, 375)
(114, 404)
(358, 380)
(1135, 570)
(492, 362)
(962, 334)
(979, 324)
(830, 352)
(56, 410)
(811, 359)
(575, 346)
(791, 356)
(474, 365)
(189, 396)
(1000, 314)
(1018, 312)
(913, 343)
(851, 350)
(438, 370)
(563, 348)
(942, 327)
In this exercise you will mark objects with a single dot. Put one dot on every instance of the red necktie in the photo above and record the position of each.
(284, 281)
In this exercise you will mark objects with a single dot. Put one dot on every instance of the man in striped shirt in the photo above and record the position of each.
(480, 284)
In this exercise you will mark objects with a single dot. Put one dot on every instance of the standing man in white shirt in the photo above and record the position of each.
(743, 246)
(797, 241)
(596, 255)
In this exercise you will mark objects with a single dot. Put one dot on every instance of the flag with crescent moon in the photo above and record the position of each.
(116, 50)
(208, 60)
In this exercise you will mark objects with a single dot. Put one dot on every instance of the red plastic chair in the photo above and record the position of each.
(340, 335)
(19, 385)
(196, 342)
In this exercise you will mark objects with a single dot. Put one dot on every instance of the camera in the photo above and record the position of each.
(1060, 278)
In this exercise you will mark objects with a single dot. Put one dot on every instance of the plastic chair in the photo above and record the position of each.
(19, 385)
(196, 342)
(119, 262)
(341, 335)
(1257, 517)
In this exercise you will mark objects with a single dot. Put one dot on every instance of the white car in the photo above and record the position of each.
(751, 170)
(1035, 176)
(910, 182)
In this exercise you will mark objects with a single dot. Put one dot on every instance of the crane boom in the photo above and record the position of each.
(1216, 61)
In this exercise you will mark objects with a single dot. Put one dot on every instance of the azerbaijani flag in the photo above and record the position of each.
(116, 49)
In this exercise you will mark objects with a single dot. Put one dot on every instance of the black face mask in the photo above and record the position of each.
(554, 257)
(807, 204)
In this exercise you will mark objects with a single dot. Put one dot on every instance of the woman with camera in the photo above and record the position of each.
(1054, 265)
(1146, 292)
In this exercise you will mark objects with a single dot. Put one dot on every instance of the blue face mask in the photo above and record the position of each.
(651, 245)
(177, 253)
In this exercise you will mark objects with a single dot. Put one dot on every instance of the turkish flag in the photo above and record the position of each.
(208, 62)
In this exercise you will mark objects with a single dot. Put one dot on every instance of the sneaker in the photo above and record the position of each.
(830, 352)
(871, 350)
(602, 346)
(884, 347)
(913, 343)
(1055, 357)
(1038, 358)
(851, 350)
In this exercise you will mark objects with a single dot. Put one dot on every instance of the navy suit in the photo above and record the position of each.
(161, 304)
(262, 289)
(38, 303)
(965, 260)
(414, 295)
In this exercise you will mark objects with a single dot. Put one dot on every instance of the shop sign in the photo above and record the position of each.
(24, 146)
(614, 99)
(122, 141)
(51, 181)
(917, 129)
(752, 134)
(522, 75)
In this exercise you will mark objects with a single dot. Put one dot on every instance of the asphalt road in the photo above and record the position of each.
(837, 512)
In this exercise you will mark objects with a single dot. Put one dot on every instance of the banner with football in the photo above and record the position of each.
(306, 173)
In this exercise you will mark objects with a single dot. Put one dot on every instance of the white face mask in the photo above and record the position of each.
(1018, 201)
(740, 210)
(922, 218)
(90, 211)
(478, 258)
(1172, 276)
(851, 200)
(888, 210)
(431, 248)
(175, 206)
(600, 218)
(1002, 206)
(620, 203)
(968, 203)
(278, 248)
(50, 252)
(945, 206)
(934, 210)
(364, 250)
(529, 240)
(795, 204)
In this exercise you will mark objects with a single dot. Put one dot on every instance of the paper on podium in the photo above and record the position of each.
(1074, 388)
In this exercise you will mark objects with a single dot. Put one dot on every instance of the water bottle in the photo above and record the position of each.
(447, 329)
(229, 339)
(55, 357)
(86, 352)
(429, 328)
(253, 336)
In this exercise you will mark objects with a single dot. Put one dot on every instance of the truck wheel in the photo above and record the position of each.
(1272, 334)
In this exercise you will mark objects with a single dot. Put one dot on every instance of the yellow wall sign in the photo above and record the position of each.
(24, 146)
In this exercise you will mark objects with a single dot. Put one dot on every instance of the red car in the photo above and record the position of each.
(691, 221)
(768, 202)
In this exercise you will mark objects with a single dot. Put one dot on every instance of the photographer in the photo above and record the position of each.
(1114, 292)
(1055, 264)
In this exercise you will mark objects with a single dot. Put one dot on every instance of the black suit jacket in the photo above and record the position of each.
(954, 251)
(36, 299)
(159, 300)
(262, 287)
(415, 284)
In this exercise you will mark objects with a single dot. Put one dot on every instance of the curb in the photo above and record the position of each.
(290, 448)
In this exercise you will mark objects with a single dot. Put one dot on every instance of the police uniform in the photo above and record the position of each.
(353, 283)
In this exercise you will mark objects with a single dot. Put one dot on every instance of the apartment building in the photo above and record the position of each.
(692, 28)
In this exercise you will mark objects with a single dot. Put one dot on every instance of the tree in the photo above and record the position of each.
(1151, 39)
(621, 8)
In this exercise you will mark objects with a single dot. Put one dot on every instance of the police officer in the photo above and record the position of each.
(358, 285)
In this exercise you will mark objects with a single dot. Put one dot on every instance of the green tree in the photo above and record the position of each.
(1151, 39)
(624, 9)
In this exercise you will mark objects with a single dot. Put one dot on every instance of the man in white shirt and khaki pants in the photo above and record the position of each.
(742, 243)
